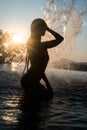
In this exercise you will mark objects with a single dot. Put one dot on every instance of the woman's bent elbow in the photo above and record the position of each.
(61, 39)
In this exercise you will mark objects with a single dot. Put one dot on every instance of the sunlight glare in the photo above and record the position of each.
(18, 38)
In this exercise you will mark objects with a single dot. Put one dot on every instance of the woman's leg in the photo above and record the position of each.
(43, 92)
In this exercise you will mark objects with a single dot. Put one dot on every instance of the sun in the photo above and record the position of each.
(18, 38)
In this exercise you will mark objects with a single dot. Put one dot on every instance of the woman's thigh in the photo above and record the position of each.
(30, 78)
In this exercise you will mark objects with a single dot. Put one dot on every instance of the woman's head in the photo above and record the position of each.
(38, 27)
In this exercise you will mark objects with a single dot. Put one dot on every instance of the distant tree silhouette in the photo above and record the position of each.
(4, 37)
(11, 50)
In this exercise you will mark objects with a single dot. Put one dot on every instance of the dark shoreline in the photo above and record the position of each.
(70, 65)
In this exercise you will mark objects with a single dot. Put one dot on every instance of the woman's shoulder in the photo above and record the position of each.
(28, 41)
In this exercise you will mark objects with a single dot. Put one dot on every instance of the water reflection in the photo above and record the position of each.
(9, 118)
(32, 115)
(20, 115)
(11, 102)
(14, 66)
(9, 112)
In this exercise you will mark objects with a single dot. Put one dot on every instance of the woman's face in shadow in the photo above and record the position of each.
(38, 27)
(43, 32)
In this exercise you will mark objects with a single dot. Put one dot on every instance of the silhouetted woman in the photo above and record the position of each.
(38, 57)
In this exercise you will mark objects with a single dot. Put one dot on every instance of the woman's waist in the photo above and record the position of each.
(39, 66)
(35, 72)
(39, 69)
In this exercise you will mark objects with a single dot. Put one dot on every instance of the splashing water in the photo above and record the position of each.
(65, 17)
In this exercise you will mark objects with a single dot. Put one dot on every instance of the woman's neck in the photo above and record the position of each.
(36, 37)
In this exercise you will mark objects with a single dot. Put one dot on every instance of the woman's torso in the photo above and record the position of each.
(38, 56)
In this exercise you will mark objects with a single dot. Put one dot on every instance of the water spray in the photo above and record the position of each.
(65, 17)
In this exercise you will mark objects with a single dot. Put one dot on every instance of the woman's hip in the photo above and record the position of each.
(30, 78)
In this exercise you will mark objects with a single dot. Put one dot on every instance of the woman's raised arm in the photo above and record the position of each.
(58, 39)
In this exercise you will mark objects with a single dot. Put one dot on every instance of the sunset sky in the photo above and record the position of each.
(16, 16)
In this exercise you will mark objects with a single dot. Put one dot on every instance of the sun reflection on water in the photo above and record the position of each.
(14, 66)
(9, 119)
(11, 111)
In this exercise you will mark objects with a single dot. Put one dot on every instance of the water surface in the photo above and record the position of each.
(66, 111)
